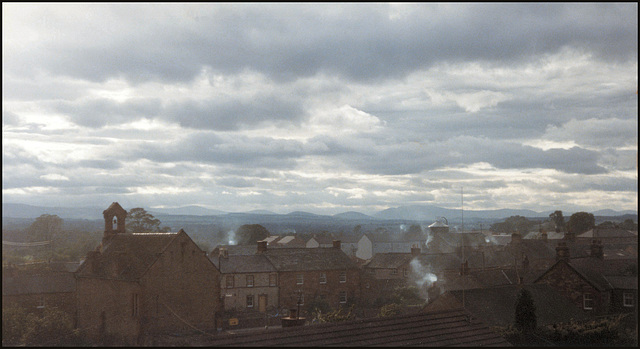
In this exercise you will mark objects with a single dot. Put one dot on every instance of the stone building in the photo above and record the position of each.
(37, 290)
(135, 286)
(248, 282)
(595, 284)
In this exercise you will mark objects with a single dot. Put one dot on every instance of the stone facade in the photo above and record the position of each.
(325, 284)
(135, 286)
(564, 279)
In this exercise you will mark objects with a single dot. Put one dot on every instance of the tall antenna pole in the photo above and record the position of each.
(462, 237)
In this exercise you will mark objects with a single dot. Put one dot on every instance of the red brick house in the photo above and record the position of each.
(134, 286)
(307, 273)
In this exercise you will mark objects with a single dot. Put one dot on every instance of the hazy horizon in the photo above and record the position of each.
(323, 108)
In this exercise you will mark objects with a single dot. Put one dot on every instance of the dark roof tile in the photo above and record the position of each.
(445, 328)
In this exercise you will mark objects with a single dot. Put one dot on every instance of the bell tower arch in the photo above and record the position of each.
(114, 220)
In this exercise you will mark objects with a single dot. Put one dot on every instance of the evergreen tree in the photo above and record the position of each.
(526, 319)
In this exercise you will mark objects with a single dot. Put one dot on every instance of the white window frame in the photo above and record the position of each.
(343, 277)
(343, 297)
(323, 278)
(628, 299)
(299, 279)
(250, 280)
(588, 297)
(250, 301)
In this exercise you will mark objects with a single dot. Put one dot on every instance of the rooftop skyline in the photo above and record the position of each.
(323, 108)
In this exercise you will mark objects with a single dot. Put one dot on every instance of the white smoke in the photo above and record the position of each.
(424, 277)
(429, 238)
(231, 237)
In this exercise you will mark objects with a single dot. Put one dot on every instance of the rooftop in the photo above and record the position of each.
(443, 328)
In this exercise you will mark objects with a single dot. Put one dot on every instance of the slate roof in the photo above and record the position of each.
(233, 264)
(599, 272)
(607, 233)
(294, 259)
(433, 329)
(457, 239)
(127, 256)
(236, 249)
(53, 282)
(501, 239)
(495, 306)
(388, 260)
(623, 282)
(323, 239)
(596, 271)
(440, 261)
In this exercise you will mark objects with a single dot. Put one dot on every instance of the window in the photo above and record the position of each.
(343, 277)
(249, 280)
(272, 279)
(229, 281)
(323, 278)
(627, 299)
(299, 279)
(343, 296)
(394, 271)
(587, 301)
(250, 301)
(367, 285)
(405, 272)
(135, 305)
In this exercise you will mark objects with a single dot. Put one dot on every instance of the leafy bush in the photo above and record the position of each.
(52, 328)
(334, 315)
(392, 309)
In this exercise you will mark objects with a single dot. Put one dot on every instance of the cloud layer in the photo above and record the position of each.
(324, 108)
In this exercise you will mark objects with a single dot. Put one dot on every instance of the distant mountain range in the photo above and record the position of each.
(415, 213)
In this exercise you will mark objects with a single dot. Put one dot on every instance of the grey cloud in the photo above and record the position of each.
(362, 42)
(100, 164)
(234, 113)
(403, 158)
(211, 148)
(99, 112)
(597, 132)
(234, 182)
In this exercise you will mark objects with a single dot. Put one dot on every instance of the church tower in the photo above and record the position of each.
(114, 221)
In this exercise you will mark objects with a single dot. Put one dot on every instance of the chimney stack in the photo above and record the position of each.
(262, 246)
(337, 244)
(516, 238)
(415, 251)
(224, 253)
(597, 249)
(562, 251)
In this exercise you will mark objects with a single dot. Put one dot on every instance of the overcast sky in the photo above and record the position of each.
(324, 108)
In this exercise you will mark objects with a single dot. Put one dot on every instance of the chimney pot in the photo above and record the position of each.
(562, 251)
(337, 244)
(262, 246)
(415, 251)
